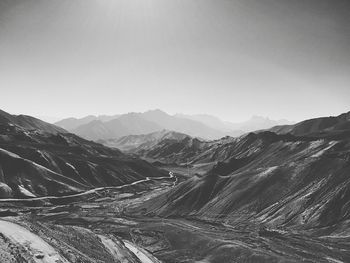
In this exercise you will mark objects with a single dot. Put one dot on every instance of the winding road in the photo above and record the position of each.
(40, 251)
(91, 191)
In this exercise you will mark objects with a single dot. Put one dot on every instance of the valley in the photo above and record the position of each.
(170, 197)
(105, 223)
(187, 131)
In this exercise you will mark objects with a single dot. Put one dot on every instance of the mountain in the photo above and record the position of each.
(194, 151)
(276, 177)
(182, 125)
(47, 118)
(96, 129)
(327, 125)
(257, 123)
(209, 120)
(264, 179)
(73, 123)
(28, 122)
(135, 124)
(43, 161)
(183, 149)
(277, 180)
(108, 117)
(236, 129)
(261, 197)
(134, 143)
(131, 123)
(203, 126)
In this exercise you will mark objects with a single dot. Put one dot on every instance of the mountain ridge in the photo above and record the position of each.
(149, 121)
(201, 125)
(275, 180)
(29, 122)
(316, 125)
(35, 162)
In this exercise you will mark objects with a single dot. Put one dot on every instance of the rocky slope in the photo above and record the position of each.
(318, 126)
(195, 151)
(134, 143)
(280, 181)
(28, 122)
(34, 162)
(198, 151)
(266, 197)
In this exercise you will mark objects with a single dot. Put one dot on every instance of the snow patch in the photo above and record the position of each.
(321, 152)
(267, 171)
(9, 153)
(25, 192)
(316, 144)
(43, 156)
(334, 260)
(71, 166)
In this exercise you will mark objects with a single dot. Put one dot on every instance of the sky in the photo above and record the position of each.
(228, 58)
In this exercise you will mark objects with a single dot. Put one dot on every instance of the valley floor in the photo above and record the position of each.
(101, 227)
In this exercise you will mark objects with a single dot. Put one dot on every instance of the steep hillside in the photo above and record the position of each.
(73, 123)
(33, 162)
(134, 143)
(116, 128)
(277, 180)
(93, 130)
(175, 150)
(324, 125)
(195, 151)
(29, 123)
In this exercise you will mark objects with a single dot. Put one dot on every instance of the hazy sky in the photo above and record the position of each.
(229, 58)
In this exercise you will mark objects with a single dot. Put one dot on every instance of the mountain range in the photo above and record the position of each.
(202, 126)
(276, 195)
(28, 123)
(317, 126)
(39, 159)
(264, 183)
(131, 143)
(170, 146)
(282, 181)
(253, 124)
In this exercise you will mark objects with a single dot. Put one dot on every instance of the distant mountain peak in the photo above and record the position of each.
(198, 125)
(258, 118)
(156, 112)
